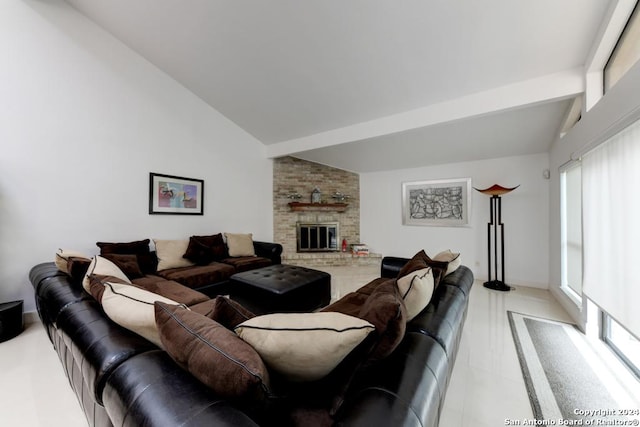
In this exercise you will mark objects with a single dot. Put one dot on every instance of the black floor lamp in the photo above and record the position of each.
(495, 191)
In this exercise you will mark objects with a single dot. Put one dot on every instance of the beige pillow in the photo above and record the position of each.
(240, 244)
(62, 257)
(170, 254)
(416, 288)
(452, 258)
(102, 267)
(133, 308)
(304, 346)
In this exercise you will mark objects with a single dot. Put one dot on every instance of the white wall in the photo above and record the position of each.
(83, 120)
(525, 215)
(616, 110)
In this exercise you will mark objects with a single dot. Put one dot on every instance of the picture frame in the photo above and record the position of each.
(175, 195)
(444, 202)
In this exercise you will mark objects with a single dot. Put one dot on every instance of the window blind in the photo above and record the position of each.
(611, 226)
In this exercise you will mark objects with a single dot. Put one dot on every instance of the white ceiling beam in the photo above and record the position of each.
(611, 27)
(547, 88)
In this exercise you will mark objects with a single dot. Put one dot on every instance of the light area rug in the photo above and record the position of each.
(567, 378)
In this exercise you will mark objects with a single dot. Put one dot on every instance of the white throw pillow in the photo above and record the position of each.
(170, 254)
(452, 258)
(240, 244)
(103, 267)
(304, 346)
(62, 257)
(132, 308)
(416, 288)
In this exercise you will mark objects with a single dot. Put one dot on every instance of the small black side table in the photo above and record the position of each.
(11, 320)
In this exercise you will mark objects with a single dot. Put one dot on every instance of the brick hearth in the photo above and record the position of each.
(331, 259)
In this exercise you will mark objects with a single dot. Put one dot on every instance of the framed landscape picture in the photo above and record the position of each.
(445, 202)
(175, 195)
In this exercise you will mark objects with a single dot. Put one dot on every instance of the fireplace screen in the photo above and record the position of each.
(321, 237)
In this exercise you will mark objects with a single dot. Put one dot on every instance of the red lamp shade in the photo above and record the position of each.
(496, 190)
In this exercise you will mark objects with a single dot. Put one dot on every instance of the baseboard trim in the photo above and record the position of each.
(31, 317)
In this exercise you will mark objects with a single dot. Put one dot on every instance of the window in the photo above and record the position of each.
(625, 53)
(571, 230)
(623, 344)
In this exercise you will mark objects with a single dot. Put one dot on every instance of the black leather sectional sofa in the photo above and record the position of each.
(123, 380)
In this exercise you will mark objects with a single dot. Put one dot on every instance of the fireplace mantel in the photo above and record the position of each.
(332, 207)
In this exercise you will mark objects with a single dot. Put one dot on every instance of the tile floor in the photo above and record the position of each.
(487, 386)
(34, 391)
(485, 389)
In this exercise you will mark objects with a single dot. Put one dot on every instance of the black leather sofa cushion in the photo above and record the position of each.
(442, 318)
(97, 344)
(94, 343)
(391, 266)
(269, 250)
(151, 390)
(51, 296)
(406, 390)
(95, 413)
(462, 278)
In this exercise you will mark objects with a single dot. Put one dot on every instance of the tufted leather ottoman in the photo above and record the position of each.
(281, 288)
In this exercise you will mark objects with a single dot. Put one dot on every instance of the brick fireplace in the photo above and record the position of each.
(293, 178)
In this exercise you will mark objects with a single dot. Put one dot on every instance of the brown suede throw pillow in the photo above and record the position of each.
(385, 309)
(224, 311)
(205, 249)
(350, 304)
(422, 260)
(198, 252)
(140, 248)
(128, 263)
(77, 268)
(212, 353)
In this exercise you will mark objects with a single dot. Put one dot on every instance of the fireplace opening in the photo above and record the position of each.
(318, 237)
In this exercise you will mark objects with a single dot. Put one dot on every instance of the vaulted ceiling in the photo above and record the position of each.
(369, 85)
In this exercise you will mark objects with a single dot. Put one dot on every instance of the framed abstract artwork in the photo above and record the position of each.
(445, 202)
(175, 195)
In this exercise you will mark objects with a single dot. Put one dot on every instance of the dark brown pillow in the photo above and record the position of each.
(422, 260)
(224, 311)
(204, 249)
(414, 264)
(140, 248)
(127, 263)
(385, 309)
(350, 304)
(212, 353)
(77, 268)
(198, 252)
